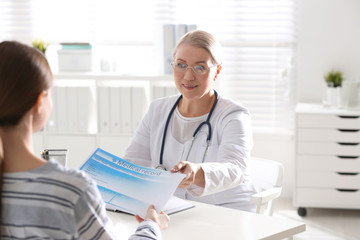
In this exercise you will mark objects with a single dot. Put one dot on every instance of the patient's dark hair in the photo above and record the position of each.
(24, 74)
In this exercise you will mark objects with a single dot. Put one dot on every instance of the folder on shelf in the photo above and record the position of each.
(170, 90)
(115, 111)
(86, 109)
(181, 30)
(169, 43)
(139, 106)
(158, 92)
(72, 108)
(125, 109)
(51, 124)
(61, 110)
(104, 109)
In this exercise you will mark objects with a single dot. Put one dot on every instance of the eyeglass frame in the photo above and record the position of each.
(207, 69)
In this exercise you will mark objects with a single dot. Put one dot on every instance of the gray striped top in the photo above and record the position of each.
(53, 202)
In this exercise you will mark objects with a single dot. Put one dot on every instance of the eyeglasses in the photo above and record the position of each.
(197, 69)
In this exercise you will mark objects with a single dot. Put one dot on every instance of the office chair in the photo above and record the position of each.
(267, 177)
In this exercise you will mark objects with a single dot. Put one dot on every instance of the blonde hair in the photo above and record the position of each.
(204, 40)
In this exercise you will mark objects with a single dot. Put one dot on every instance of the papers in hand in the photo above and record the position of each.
(131, 188)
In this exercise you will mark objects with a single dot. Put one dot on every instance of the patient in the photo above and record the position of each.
(42, 199)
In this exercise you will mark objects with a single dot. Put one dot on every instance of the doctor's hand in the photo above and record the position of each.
(161, 219)
(194, 174)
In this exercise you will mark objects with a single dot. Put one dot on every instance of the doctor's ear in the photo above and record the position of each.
(218, 69)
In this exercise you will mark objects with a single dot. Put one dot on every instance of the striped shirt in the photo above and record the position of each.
(53, 202)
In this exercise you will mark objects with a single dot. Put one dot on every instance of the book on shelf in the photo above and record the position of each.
(75, 46)
(171, 34)
(130, 188)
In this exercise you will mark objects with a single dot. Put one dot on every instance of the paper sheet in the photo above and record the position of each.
(130, 187)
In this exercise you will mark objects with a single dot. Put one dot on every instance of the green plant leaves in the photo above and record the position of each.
(334, 78)
(40, 44)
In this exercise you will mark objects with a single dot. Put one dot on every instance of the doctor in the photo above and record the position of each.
(199, 133)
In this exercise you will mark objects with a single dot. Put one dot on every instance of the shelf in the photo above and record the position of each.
(109, 76)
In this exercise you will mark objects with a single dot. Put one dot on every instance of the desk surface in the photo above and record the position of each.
(214, 223)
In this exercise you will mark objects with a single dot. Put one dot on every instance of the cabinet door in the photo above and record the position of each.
(328, 135)
(336, 180)
(328, 121)
(328, 148)
(317, 197)
(325, 163)
(80, 147)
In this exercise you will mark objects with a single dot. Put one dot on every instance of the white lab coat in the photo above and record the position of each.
(226, 164)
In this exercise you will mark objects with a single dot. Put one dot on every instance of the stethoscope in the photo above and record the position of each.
(207, 122)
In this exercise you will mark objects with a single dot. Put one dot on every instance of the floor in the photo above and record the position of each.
(322, 224)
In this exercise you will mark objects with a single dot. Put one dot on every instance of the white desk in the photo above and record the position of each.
(215, 223)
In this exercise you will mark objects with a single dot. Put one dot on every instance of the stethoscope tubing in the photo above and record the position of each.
(207, 122)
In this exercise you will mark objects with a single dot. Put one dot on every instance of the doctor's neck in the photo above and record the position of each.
(196, 107)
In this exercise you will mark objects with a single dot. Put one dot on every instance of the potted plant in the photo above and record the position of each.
(334, 78)
(332, 95)
(40, 44)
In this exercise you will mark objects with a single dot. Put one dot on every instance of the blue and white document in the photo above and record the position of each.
(131, 188)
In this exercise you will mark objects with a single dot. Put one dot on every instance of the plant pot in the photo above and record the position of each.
(332, 97)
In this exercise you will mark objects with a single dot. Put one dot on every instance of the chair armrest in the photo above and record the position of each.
(266, 196)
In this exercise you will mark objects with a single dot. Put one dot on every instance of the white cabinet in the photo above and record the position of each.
(327, 158)
(98, 110)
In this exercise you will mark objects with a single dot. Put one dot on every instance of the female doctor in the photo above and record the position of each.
(199, 133)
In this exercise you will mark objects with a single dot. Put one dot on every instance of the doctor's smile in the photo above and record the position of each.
(189, 86)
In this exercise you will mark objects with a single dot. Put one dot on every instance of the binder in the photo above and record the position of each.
(139, 106)
(191, 27)
(61, 111)
(104, 109)
(125, 109)
(72, 108)
(170, 90)
(115, 114)
(181, 30)
(86, 109)
(51, 124)
(158, 92)
(169, 43)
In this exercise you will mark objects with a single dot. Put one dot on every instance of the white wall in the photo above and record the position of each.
(328, 38)
(278, 148)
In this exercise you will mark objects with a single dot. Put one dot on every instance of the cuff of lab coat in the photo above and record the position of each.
(197, 191)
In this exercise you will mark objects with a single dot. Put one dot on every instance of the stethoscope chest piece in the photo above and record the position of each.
(160, 167)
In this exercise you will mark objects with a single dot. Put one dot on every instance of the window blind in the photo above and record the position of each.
(258, 39)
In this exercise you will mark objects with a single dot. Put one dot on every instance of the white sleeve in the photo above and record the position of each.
(234, 152)
(138, 151)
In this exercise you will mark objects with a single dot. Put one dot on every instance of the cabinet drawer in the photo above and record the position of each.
(328, 121)
(329, 135)
(335, 180)
(328, 163)
(327, 198)
(328, 148)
